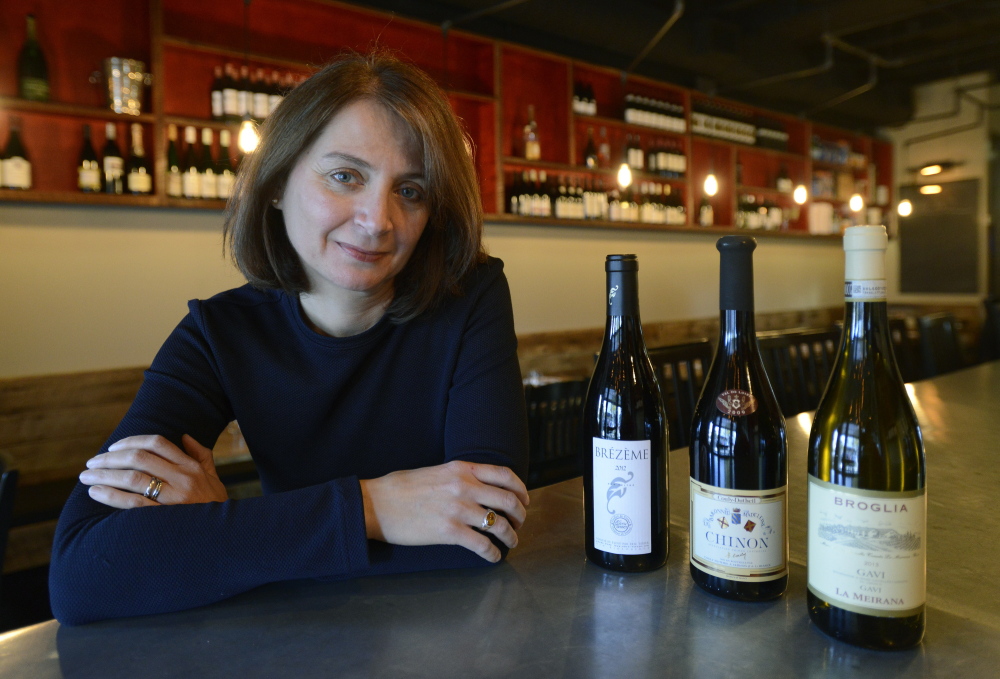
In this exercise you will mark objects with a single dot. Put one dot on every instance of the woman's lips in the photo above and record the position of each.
(360, 254)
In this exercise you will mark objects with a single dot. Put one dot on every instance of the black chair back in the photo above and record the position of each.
(681, 370)
(554, 430)
(939, 348)
(905, 334)
(989, 346)
(8, 486)
(798, 363)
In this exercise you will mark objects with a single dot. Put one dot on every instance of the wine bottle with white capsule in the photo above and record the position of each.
(174, 173)
(209, 176)
(624, 454)
(739, 465)
(225, 176)
(88, 168)
(867, 505)
(191, 169)
(138, 173)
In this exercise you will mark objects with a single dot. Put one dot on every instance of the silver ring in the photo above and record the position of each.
(151, 487)
(489, 519)
(156, 491)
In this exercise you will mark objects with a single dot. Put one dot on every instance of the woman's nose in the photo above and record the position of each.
(373, 212)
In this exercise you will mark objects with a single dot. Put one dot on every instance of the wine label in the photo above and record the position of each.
(113, 167)
(622, 505)
(174, 184)
(865, 291)
(191, 183)
(16, 173)
(140, 182)
(35, 89)
(217, 109)
(224, 184)
(209, 184)
(260, 106)
(532, 150)
(230, 102)
(867, 549)
(739, 534)
(736, 402)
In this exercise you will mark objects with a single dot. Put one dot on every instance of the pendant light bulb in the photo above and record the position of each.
(624, 176)
(711, 184)
(248, 138)
(800, 195)
(905, 208)
(857, 203)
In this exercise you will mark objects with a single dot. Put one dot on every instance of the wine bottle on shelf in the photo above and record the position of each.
(706, 214)
(88, 168)
(532, 148)
(138, 174)
(624, 451)
(244, 92)
(739, 465)
(224, 168)
(218, 111)
(274, 94)
(784, 183)
(191, 177)
(260, 96)
(32, 71)
(15, 165)
(867, 505)
(209, 179)
(174, 172)
(113, 163)
(230, 96)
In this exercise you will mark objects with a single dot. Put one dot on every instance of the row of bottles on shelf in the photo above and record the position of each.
(663, 115)
(736, 124)
(584, 103)
(193, 172)
(531, 193)
(837, 153)
(112, 174)
(663, 157)
(236, 95)
(756, 212)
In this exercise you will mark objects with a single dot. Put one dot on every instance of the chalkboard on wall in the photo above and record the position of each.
(939, 242)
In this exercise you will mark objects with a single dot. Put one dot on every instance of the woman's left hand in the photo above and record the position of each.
(120, 477)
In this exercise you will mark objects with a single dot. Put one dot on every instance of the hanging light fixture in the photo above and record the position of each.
(624, 176)
(247, 139)
(800, 195)
(930, 189)
(905, 208)
(711, 185)
(857, 203)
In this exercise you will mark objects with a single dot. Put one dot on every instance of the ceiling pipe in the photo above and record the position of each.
(836, 101)
(980, 116)
(485, 11)
(678, 12)
(792, 75)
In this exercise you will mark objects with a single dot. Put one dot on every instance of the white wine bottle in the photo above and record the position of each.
(138, 174)
(15, 165)
(867, 507)
(174, 179)
(624, 449)
(191, 177)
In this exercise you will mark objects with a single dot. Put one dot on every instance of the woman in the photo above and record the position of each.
(371, 363)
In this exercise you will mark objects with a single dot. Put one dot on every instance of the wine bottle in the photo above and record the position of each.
(230, 96)
(739, 465)
(532, 148)
(260, 104)
(706, 214)
(784, 183)
(590, 151)
(138, 174)
(15, 165)
(88, 169)
(191, 177)
(274, 94)
(218, 83)
(174, 181)
(32, 72)
(209, 178)
(113, 164)
(867, 507)
(244, 93)
(224, 168)
(624, 454)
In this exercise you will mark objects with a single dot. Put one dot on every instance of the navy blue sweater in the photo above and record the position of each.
(318, 413)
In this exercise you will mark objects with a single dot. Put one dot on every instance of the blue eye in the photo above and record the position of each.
(342, 176)
(410, 193)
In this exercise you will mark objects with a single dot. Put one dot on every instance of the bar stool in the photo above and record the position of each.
(939, 349)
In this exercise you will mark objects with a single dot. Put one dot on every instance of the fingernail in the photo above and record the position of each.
(114, 446)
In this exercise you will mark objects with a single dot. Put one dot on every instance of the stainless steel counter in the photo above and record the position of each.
(548, 613)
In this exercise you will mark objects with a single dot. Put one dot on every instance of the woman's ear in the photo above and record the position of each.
(276, 202)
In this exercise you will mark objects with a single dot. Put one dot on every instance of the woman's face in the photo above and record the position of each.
(355, 204)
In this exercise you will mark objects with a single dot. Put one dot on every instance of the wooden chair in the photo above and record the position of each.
(939, 349)
(681, 370)
(554, 429)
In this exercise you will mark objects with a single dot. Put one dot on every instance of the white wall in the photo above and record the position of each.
(970, 148)
(89, 288)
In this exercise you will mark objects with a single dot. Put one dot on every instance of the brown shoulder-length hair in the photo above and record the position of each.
(451, 244)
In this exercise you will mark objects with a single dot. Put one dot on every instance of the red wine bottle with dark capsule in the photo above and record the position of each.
(867, 526)
(739, 466)
(624, 455)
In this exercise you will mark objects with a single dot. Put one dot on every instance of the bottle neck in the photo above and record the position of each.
(736, 330)
(623, 294)
(866, 318)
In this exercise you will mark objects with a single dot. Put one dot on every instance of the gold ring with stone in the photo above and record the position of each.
(489, 519)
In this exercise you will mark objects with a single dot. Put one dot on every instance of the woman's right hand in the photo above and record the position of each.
(444, 504)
